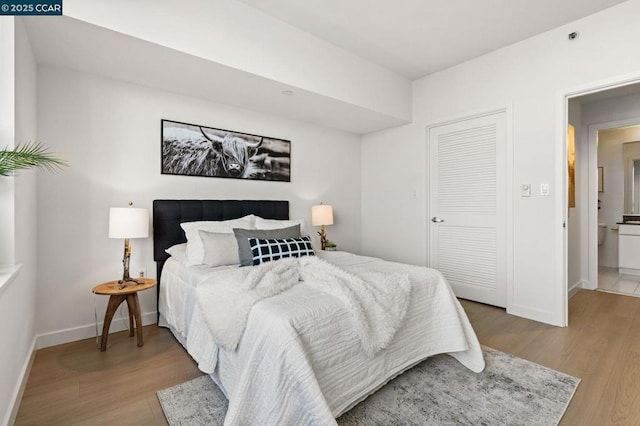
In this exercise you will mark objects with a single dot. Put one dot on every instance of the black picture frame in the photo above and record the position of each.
(196, 150)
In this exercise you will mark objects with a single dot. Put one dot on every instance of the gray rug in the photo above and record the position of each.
(438, 391)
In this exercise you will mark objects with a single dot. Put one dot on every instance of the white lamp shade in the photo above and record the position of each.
(128, 222)
(322, 215)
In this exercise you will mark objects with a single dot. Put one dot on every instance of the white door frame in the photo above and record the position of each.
(562, 119)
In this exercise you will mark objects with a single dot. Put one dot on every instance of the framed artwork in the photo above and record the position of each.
(194, 150)
(600, 179)
(571, 157)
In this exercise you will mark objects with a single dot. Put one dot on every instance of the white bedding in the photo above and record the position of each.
(299, 360)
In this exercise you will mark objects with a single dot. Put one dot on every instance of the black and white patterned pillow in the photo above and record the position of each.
(266, 250)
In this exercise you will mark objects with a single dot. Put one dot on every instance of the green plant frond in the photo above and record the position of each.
(28, 155)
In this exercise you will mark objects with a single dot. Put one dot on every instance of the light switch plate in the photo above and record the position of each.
(544, 189)
(525, 190)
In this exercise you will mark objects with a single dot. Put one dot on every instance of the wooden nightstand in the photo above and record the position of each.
(117, 296)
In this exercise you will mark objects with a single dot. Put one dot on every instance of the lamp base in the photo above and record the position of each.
(323, 237)
(125, 263)
(129, 280)
(123, 282)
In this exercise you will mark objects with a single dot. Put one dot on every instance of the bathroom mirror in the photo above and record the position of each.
(631, 152)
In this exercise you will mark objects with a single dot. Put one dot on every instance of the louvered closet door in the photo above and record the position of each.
(467, 209)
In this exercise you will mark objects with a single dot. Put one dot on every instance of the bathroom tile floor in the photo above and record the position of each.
(611, 281)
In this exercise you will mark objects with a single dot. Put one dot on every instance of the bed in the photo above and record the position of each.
(300, 359)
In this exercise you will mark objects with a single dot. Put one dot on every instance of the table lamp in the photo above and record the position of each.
(128, 222)
(320, 216)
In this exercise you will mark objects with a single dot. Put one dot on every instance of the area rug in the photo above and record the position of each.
(438, 391)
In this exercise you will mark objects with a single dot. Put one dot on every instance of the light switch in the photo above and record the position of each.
(525, 190)
(544, 189)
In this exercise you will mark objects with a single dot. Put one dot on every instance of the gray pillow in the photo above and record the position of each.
(219, 249)
(243, 235)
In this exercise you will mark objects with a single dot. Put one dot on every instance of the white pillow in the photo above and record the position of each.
(178, 252)
(195, 248)
(219, 249)
(267, 224)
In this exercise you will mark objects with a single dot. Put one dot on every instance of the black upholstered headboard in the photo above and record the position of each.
(169, 214)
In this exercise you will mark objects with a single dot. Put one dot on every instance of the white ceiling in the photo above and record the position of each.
(418, 37)
(69, 43)
(411, 37)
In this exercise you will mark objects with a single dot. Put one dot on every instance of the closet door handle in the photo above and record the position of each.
(436, 220)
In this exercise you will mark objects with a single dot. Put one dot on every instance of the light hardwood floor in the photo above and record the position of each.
(77, 384)
(601, 346)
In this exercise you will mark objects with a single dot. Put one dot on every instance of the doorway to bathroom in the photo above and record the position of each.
(618, 215)
(605, 123)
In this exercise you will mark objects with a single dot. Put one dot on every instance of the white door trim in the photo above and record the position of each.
(561, 234)
(508, 110)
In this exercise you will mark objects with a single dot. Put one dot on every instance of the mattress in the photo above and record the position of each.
(299, 360)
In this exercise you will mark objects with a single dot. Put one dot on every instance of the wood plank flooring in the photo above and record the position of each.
(76, 384)
(601, 346)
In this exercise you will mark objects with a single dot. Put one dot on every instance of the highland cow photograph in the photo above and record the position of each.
(189, 149)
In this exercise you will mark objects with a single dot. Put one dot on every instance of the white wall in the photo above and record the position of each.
(17, 297)
(109, 131)
(529, 76)
(393, 194)
(7, 136)
(612, 199)
(247, 39)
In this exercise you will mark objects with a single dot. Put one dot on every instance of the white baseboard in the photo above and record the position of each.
(576, 287)
(89, 331)
(534, 314)
(14, 405)
(629, 271)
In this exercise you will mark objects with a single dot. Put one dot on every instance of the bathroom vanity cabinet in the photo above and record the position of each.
(629, 249)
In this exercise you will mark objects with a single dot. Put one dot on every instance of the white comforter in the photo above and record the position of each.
(378, 302)
(300, 360)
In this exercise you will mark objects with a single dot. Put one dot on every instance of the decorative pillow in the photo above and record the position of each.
(243, 235)
(219, 249)
(195, 249)
(275, 249)
(178, 252)
(261, 223)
